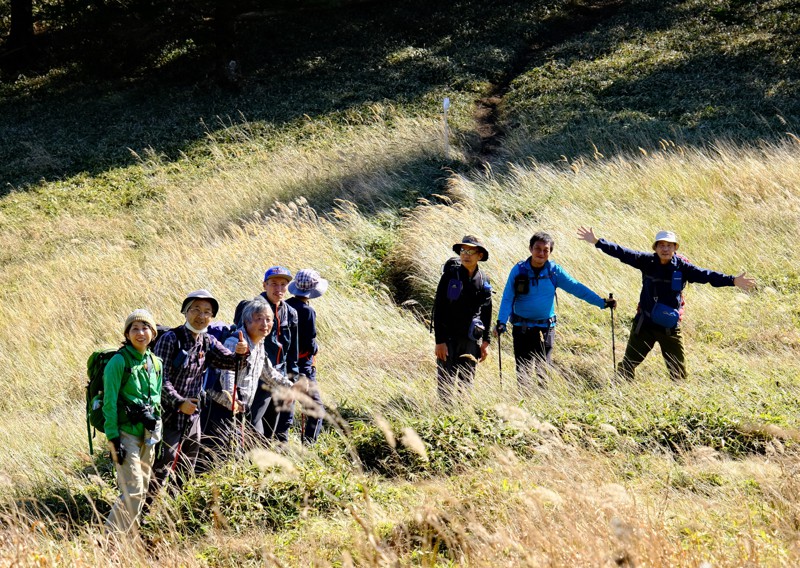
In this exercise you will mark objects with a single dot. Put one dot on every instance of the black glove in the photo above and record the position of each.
(610, 303)
(500, 328)
(119, 452)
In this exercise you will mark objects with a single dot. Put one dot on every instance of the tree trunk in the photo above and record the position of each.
(21, 34)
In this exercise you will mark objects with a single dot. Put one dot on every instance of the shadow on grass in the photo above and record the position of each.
(289, 65)
(689, 74)
(326, 61)
(69, 500)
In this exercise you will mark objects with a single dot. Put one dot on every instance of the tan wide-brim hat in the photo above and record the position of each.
(200, 295)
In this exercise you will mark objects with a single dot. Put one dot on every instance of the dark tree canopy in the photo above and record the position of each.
(21, 32)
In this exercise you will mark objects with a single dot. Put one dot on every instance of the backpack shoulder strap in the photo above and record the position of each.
(451, 266)
(551, 273)
(155, 361)
(126, 372)
(176, 330)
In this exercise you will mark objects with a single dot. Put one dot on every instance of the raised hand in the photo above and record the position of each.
(587, 234)
(241, 347)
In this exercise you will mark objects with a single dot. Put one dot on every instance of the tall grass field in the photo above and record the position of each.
(611, 115)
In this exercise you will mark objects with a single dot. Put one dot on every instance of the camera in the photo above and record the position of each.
(143, 414)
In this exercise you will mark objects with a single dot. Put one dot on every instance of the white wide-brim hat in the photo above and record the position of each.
(666, 236)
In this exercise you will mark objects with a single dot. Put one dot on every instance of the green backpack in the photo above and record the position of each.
(95, 367)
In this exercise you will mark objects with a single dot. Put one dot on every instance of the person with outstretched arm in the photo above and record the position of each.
(529, 301)
(665, 274)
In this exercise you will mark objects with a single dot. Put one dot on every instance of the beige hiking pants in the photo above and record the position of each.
(133, 478)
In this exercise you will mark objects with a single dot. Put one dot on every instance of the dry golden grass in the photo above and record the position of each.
(734, 210)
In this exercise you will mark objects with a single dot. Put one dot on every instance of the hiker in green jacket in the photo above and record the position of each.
(132, 411)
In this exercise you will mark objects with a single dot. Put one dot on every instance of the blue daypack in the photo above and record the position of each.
(221, 332)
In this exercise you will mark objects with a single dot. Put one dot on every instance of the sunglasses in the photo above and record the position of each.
(469, 252)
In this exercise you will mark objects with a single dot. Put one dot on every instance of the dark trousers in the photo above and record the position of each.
(533, 349)
(456, 373)
(272, 417)
(644, 336)
(278, 419)
(183, 443)
(261, 401)
(220, 434)
(315, 414)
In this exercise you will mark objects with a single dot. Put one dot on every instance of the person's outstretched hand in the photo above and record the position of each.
(744, 282)
(587, 234)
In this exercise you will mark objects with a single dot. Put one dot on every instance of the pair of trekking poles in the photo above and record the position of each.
(613, 346)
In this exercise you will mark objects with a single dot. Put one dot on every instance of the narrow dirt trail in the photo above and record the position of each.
(580, 18)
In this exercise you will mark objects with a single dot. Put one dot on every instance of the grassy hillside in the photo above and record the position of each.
(129, 193)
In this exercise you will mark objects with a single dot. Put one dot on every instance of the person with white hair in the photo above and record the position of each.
(658, 315)
(230, 398)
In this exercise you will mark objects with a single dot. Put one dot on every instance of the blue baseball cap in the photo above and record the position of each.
(278, 271)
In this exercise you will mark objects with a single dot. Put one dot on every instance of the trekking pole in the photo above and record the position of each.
(236, 372)
(500, 359)
(183, 434)
(180, 443)
(613, 338)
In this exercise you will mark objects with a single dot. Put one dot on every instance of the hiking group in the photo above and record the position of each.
(172, 410)
(203, 388)
(462, 310)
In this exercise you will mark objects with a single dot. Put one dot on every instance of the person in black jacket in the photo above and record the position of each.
(664, 276)
(462, 316)
(308, 284)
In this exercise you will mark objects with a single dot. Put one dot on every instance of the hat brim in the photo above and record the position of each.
(315, 292)
(655, 243)
(188, 301)
(457, 249)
